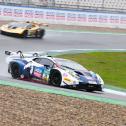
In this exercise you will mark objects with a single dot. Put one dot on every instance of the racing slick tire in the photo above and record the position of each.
(2, 32)
(24, 34)
(55, 78)
(15, 71)
(40, 34)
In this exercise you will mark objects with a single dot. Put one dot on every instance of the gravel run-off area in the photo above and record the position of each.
(20, 107)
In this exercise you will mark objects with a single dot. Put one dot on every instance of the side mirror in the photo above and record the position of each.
(7, 52)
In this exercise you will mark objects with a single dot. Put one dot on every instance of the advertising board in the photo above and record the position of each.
(66, 17)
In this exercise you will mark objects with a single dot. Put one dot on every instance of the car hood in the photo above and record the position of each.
(12, 29)
(87, 76)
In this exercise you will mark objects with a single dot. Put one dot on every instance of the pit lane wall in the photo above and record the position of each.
(67, 17)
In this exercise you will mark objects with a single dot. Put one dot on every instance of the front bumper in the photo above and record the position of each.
(93, 87)
(10, 34)
(85, 86)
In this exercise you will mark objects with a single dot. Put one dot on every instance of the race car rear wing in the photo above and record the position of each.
(28, 54)
(13, 53)
(20, 53)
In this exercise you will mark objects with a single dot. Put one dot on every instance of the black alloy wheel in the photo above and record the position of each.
(55, 78)
(15, 71)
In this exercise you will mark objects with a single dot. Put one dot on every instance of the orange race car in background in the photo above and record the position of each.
(24, 29)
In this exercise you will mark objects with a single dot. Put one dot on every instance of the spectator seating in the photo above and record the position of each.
(67, 3)
(12, 1)
(76, 4)
(115, 4)
(90, 3)
(39, 2)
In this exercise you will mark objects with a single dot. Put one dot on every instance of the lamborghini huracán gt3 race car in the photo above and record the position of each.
(53, 71)
(23, 29)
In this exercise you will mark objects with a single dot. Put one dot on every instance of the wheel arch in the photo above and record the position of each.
(20, 65)
(24, 33)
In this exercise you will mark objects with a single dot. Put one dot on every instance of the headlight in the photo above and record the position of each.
(100, 79)
(97, 76)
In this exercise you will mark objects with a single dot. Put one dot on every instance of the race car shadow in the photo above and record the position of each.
(66, 87)
(19, 37)
(84, 90)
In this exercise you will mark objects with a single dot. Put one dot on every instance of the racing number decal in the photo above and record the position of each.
(38, 72)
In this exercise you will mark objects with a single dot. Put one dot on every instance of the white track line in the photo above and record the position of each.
(114, 92)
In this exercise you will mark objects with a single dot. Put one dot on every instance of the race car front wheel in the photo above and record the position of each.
(2, 32)
(15, 71)
(24, 34)
(55, 78)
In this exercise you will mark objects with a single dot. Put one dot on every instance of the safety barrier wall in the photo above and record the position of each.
(63, 17)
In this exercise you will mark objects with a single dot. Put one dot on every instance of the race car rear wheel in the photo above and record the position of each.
(55, 78)
(15, 71)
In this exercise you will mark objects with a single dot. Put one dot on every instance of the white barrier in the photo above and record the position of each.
(63, 17)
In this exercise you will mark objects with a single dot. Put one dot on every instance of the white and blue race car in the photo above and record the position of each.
(53, 71)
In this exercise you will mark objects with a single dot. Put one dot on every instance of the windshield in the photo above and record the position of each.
(21, 25)
(70, 64)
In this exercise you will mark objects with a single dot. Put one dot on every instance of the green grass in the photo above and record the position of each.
(110, 65)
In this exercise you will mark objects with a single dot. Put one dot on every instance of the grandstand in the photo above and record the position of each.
(113, 5)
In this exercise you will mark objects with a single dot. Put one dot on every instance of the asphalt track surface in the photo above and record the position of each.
(59, 40)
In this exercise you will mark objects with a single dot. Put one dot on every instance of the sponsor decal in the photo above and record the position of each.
(60, 16)
(93, 18)
(50, 15)
(82, 17)
(38, 72)
(65, 75)
(7, 12)
(123, 20)
(67, 80)
(18, 13)
(45, 75)
(103, 19)
(28, 13)
(39, 14)
(71, 17)
(114, 19)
